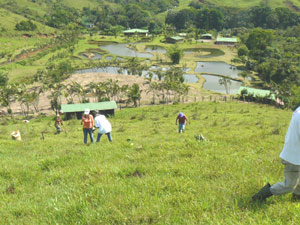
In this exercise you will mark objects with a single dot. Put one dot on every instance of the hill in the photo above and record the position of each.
(150, 173)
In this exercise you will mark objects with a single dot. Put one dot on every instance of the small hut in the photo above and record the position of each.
(174, 39)
(136, 32)
(76, 110)
(206, 36)
(226, 41)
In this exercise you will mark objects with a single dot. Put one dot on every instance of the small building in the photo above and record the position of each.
(256, 93)
(76, 110)
(206, 36)
(226, 41)
(136, 32)
(174, 39)
(182, 34)
(89, 25)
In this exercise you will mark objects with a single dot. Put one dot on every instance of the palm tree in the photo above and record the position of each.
(134, 94)
(226, 82)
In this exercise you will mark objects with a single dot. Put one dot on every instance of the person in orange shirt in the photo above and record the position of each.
(88, 124)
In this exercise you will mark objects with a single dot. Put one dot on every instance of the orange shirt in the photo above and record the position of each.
(88, 121)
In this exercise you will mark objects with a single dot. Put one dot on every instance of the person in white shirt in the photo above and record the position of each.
(104, 127)
(290, 157)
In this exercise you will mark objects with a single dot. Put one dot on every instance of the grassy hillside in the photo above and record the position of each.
(247, 4)
(8, 21)
(150, 173)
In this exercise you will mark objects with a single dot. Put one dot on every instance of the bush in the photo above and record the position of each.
(26, 26)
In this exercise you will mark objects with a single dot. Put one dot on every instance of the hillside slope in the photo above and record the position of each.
(150, 173)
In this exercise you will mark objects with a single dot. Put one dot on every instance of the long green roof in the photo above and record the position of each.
(177, 38)
(135, 31)
(91, 106)
(206, 35)
(256, 92)
(224, 39)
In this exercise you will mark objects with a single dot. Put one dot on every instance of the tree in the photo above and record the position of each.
(3, 78)
(134, 94)
(175, 54)
(26, 26)
(7, 95)
(226, 82)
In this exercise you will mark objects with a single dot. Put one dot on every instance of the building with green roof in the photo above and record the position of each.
(206, 36)
(255, 92)
(76, 110)
(136, 32)
(226, 41)
(174, 39)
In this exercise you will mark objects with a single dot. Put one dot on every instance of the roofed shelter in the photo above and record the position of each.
(256, 92)
(226, 41)
(174, 39)
(132, 32)
(206, 36)
(76, 110)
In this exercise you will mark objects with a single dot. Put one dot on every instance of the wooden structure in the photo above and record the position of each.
(76, 110)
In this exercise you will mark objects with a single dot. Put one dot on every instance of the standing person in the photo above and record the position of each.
(290, 158)
(58, 122)
(182, 119)
(104, 127)
(88, 124)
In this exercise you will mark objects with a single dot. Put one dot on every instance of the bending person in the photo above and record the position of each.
(104, 127)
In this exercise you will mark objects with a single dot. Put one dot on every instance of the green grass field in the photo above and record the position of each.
(150, 174)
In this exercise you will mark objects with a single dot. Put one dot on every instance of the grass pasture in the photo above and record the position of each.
(150, 174)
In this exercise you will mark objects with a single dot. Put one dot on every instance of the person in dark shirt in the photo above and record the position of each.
(182, 119)
(58, 122)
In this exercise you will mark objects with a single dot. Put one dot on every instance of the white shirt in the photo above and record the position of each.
(291, 148)
(103, 124)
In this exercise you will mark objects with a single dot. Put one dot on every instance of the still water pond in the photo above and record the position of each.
(212, 84)
(123, 50)
(217, 68)
(188, 78)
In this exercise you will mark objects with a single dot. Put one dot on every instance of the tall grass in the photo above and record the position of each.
(150, 174)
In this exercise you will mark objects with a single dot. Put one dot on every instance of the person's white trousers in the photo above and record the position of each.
(291, 180)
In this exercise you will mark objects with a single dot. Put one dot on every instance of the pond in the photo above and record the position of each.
(209, 52)
(95, 56)
(212, 84)
(188, 78)
(155, 48)
(123, 50)
(217, 68)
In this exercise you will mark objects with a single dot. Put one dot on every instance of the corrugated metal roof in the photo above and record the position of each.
(206, 35)
(177, 38)
(256, 92)
(224, 39)
(135, 31)
(91, 106)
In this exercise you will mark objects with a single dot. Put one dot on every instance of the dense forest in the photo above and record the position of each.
(269, 35)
